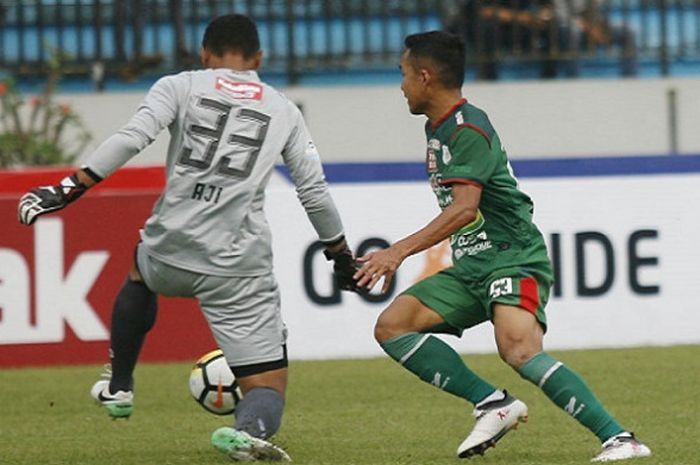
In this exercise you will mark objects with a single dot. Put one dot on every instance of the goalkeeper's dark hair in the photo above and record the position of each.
(446, 51)
(232, 33)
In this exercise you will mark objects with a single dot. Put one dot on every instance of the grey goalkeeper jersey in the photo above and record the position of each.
(227, 131)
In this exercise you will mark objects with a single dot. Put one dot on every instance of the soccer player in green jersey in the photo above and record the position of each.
(501, 271)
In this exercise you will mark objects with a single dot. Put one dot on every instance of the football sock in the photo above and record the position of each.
(133, 315)
(493, 397)
(259, 413)
(437, 363)
(568, 391)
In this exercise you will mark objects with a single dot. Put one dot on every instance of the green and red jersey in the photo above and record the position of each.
(463, 147)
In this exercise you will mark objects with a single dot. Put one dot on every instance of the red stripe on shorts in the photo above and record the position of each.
(529, 296)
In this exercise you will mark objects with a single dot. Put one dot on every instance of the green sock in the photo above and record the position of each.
(568, 391)
(437, 363)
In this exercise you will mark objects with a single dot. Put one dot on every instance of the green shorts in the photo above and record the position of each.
(464, 303)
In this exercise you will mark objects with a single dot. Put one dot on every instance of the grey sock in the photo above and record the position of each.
(259, 413)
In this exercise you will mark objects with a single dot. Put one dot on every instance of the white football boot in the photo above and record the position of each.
(493, 420)
(242, 447)
(621, 447)
(119, 404)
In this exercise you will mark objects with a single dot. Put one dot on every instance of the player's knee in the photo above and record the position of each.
(383, 329)
(266, 375)
(389, 325)
(405, 314)
(516, 353)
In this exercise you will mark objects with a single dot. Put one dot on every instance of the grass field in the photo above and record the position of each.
(353, 412)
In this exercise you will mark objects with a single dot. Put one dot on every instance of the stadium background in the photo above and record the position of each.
(612, 164)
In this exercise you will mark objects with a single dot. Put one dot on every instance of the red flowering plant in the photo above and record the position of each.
(37, 130)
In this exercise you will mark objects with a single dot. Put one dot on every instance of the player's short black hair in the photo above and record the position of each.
(445, 50)
(232, 33)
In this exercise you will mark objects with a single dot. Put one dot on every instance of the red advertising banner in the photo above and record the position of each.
(59, 277)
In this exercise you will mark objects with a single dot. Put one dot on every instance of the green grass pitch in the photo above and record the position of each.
(353, 412)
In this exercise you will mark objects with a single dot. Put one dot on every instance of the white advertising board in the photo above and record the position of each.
(626, 250)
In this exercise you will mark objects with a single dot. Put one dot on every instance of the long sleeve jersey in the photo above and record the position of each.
(227, 131)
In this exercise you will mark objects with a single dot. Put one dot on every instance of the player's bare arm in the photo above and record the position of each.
(385, 262)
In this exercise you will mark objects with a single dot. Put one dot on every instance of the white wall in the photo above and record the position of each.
(534, 119)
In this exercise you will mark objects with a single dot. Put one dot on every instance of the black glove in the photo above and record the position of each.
(46, 199)
(344, 267)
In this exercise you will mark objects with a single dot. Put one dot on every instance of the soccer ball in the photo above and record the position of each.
(213, 385)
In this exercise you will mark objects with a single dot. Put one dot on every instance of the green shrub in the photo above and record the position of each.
(38, 130)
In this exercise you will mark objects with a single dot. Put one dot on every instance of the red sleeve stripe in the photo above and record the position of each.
(477, 129)
(470, 182)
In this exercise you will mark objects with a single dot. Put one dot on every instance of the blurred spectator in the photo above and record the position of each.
(129, 13)
(97, 73)
(491, 27)
(591, 30)
(134, 13)
(138, 17)
(182, 55)
(554, 32)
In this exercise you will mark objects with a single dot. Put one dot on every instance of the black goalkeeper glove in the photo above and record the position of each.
(46, 199)
(344, 267)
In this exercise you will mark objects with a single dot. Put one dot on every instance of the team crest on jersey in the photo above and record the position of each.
(311, 150)
(446, 155)
(459, 117)
(240, 90)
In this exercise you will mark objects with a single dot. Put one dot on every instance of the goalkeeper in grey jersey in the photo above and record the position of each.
(207, 236)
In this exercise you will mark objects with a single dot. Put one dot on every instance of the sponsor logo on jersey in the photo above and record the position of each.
(432, 161)
(443, 193)
(240, 90)
(472, 250)
(470, 240)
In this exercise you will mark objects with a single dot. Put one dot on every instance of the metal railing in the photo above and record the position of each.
(134, 37)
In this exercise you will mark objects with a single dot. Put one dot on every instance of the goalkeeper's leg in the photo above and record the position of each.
(258, 414)
(245, 319)
(133, 316)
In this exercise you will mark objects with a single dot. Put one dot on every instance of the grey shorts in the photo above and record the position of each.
(243, 312)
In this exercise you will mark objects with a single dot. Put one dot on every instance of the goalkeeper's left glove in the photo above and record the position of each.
(344, 267)
(46, 199)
